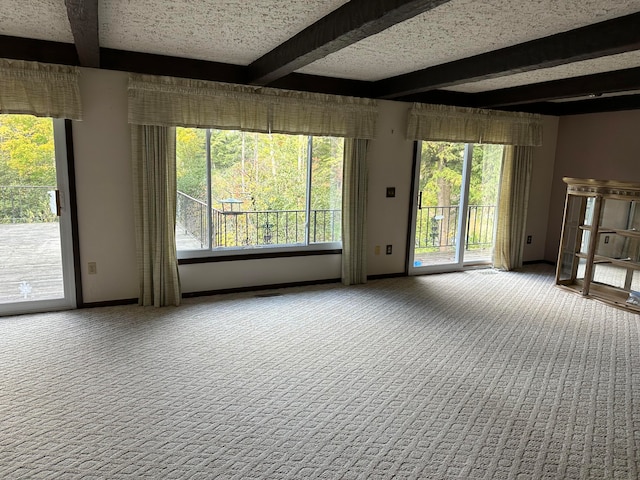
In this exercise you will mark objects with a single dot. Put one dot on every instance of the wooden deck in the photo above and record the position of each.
(30, 262)
(448, 256)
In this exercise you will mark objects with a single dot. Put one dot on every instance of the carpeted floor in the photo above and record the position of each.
(472, 375)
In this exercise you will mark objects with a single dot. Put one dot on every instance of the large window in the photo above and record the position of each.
(245, 190)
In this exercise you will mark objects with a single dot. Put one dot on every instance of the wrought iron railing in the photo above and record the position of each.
(437, 227)
(26, 204)
(255, 228)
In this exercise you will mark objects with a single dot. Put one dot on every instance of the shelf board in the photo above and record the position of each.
(619, 231)
(613, 296)
(610, 295)
(619, 262)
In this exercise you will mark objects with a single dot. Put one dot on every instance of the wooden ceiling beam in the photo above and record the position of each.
(597, 105)
(597, 84)
(348, 24)
(610, 37)
(44, 51)
(83, 17)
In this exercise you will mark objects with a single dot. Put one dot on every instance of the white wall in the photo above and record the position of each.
(204, 277)
(389, 161)
(104, 188)
(603, 146)
(105, 203)
(541, 180)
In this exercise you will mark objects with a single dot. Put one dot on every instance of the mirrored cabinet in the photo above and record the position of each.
(599, 253)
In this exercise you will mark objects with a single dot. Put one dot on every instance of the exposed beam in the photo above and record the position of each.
(442, 97)
(83, 17)
(598, 105)
(38, 50)
(171, 66)
(605, 38)
(222, 72)
(330, 85)
(609, 82)
(352, 22)
(579, 107)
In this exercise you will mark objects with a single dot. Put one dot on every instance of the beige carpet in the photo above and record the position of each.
(476, 375)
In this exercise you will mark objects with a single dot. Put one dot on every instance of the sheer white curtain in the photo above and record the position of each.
(154, 183)
(520, 132)
(354, 213)
(39, 89)
(515, 182)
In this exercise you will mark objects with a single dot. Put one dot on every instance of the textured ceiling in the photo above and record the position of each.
(239, 32)
(40, 19)
(462, 28)
(228, 31)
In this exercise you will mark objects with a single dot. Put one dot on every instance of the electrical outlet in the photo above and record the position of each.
(391, 192)
(529, 238)
(389, 249)
(92, 268)
(606, 239)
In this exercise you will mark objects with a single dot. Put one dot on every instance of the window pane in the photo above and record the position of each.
(326, 190)
(258, 188)
(438, 212)
(30, 248)
(483, 201)
(191, 174)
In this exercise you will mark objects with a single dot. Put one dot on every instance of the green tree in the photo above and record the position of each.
(441, 173)
(191, 166)
(27, 153)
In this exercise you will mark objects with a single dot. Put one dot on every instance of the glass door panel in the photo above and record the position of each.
(36, 267)
(438, 209)
(484, 185)
(456, 205)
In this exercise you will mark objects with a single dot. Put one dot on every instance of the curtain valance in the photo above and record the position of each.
(39, 89)
(169, 101)
(473, 125)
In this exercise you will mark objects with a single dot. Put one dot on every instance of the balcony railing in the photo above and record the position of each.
(437, 227)
(256, 228)
(26, 204)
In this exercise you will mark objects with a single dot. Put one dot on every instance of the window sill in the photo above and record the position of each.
(188, 258)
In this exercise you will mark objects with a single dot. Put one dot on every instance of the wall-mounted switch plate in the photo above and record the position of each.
(391, 192)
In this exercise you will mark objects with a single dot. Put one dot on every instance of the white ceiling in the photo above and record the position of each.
(240, 31)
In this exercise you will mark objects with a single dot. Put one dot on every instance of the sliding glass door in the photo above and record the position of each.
(36, 254)
(455, 206)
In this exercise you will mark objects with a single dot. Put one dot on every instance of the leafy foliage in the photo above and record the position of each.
(440, 183)
(27, 161)
(27, 155)
(264, 171)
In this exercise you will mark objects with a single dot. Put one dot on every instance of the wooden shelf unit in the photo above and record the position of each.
(599, 255)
